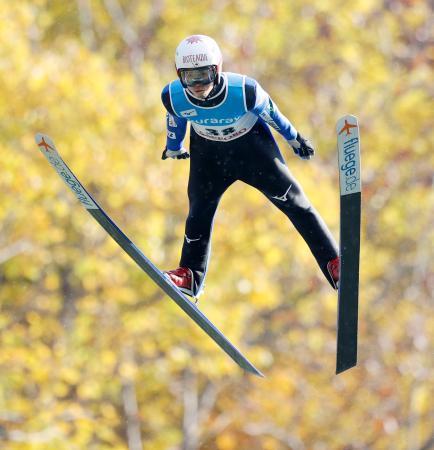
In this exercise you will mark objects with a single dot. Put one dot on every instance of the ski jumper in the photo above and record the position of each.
(230, 140)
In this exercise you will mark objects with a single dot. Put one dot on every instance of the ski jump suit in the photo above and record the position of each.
(230, 140)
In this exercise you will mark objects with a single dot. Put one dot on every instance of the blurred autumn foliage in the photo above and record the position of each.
(92, 354)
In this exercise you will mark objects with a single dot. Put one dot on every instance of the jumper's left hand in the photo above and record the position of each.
(302, 147)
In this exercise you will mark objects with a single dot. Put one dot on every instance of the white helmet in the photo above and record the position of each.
(198, 51)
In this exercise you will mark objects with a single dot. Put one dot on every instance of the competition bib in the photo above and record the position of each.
(225, 122)
(225, 132)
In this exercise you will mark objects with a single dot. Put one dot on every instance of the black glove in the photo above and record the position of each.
(302, 147)
(175, 154)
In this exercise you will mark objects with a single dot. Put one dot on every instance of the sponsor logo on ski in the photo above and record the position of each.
(347, 127)
(46, 146)
(350, 166)
(171, 134)
(69, 179)
(189, 113)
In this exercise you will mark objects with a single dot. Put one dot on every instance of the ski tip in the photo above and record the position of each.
(40, 136)
(348, 116)
(345, 125)
(45, 143)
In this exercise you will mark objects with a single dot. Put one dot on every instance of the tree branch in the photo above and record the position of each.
(14, 249)
(131, 407)
(86, 23)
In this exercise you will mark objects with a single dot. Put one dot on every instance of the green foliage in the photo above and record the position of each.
(92, 354)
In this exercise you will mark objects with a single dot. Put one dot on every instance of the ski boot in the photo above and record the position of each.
(183, 279)
(333, 270)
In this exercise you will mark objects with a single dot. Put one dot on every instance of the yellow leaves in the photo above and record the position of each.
(308, 313)
(60, 389)
(263, 357)
(286, 382)
(421, 399)
(180, 356)
(263, 289)
(89, 389)
(227, 441)
(69, 374)
(108, 411)
(416, 133)
(52, 282)
(315, 339)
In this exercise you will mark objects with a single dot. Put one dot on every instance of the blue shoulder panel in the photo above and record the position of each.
(165, 98)
(176, 126)
(250, 92)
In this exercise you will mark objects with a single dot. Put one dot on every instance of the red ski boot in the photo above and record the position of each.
(182, 278)
(333, 269)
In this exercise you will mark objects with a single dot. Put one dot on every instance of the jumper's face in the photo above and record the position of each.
(199, 81)
(201, 91)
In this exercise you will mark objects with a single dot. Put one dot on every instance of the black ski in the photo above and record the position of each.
(348, 137)
(48, 149)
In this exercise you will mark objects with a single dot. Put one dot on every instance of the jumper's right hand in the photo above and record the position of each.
(182, 153)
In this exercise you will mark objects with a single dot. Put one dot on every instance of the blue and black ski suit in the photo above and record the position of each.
(230, 140)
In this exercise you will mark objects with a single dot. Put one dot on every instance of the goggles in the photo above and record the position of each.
(201, 76)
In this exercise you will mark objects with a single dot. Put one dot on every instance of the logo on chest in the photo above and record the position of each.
(213, 121)
(189, 113)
